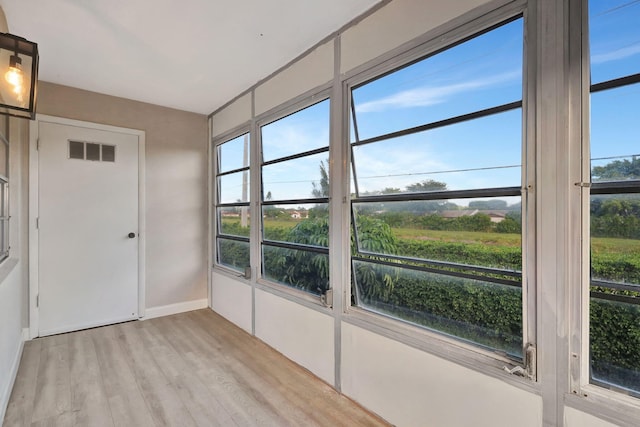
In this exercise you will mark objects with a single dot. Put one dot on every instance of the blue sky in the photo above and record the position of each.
(615, 52)
(481, 73)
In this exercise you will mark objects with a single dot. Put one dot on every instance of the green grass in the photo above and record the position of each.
(487, 238)
(282, 223)
(615, 246)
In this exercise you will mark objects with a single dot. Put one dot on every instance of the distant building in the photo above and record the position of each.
(495, 215)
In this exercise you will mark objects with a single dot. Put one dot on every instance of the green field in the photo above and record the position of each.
(600, 245)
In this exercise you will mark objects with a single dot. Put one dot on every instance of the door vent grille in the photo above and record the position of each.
(92, 151)
(76, 150)
(108, 153)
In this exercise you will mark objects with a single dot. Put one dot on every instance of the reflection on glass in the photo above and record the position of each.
(307, 224)
(234, 154)
(300, 269)
(480, 73)
(299, 132)
(481, 312)
(234, 187)
(482, 232)
(301, 178)
(463, 156)
(235, 221)
(614, 39)
(615, 151)
(233, 254)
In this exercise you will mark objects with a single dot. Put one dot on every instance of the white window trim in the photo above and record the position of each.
(466, 354)
(236, 132)
(609, 404)
(291, 107)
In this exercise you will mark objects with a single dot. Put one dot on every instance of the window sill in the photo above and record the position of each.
(475, 358)
(612, 406)
(294, 295)
(233, 274)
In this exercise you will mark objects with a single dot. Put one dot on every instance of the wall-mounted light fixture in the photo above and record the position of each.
(18, 76)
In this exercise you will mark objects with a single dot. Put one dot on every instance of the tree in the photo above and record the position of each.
(427, 185)
(390, 190)
(495, 204)
(618, 170)
(321, 189)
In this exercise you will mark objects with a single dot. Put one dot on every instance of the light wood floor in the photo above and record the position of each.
(191, 369)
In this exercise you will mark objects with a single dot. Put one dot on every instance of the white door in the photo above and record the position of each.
(87, 227)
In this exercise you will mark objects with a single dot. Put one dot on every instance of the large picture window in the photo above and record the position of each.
(295, 199)
(232, 214)
(615, 195)
(437, 205)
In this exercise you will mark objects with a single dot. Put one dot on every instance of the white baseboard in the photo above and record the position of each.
(6, 394)
(180, 307)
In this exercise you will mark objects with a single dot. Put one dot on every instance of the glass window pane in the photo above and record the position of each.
(483, 72)
(300, 269)
(234, 188)
(615, 260)
(481, 312)
(615, 146)
(480, 232)
(301, 178)
(4, 159)
(614, 39)
(464, 156)
(299, 132)
(234, 154)
(307, 224)
(235, 221)
(615, 358)
(615, 237)
(4, 126)
(233, 254)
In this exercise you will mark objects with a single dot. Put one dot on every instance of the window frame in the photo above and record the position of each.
(216, 143)
(295, 105)
(467, 354)
(5, 215)
(586, 394)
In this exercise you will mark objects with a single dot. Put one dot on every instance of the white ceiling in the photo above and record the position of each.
(194, 55)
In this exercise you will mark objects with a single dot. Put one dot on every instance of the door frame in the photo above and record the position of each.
(34, 286)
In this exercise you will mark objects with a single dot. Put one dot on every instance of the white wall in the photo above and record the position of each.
(313, 70)
(232, 299)
(234, 114)
(575, 418)
(302, 334)
(411, 388)
(11, 309)
(400, 21)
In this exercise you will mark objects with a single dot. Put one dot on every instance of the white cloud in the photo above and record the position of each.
(394, 168)
(616, 55)
(285, 140)
(427, 95)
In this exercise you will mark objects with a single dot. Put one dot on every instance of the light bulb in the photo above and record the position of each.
(14, 75)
